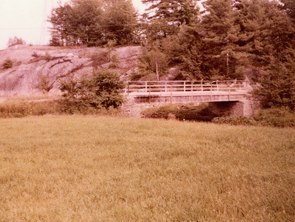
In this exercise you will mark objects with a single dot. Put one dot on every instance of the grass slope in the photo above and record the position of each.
(87, 168)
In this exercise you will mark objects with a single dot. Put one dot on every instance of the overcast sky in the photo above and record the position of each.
(25, 19)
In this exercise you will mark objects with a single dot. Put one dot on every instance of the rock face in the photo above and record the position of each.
(38, 69)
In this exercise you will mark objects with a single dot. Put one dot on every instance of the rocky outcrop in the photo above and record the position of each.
(38, 69)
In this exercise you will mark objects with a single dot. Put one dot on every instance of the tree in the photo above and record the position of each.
(120, 21)
(152, 61)
(234, 35)
(15, 41)
(77, 23)
(167, 16)
(265, 31)
(289, 6)
(268, 37)
(277, 87)
(102, 90)
(219, 28)
(93, 22)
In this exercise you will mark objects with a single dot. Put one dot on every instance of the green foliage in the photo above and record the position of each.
(278, 117)
(47, 56)
(119, 22)
(77, 23)
(164, 17)
(102, 90)
(93, 23)
(99, 58)
(152, 61)
(277, 87)
(15, 41)
(289, 6)
(44, 84)
(273, 117)
(8, 63)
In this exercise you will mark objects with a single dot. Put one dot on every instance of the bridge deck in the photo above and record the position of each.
(192, 91)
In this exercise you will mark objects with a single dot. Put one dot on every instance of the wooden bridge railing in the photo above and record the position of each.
(144, 87)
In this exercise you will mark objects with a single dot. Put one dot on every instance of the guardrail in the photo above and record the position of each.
(144, 87)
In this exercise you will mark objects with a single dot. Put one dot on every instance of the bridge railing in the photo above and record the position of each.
(145, 87)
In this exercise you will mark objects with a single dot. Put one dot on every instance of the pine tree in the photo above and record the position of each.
(277, 87)
(164, 17)
(265, 30)
(219, 29)
(289, 6)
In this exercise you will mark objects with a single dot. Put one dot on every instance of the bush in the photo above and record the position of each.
(44, 84)
(102, 90)
(8, 63)
(47, 56)
(274, 117)
(278, 117)
(99, 58)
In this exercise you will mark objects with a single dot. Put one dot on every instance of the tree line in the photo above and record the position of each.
(223, 39)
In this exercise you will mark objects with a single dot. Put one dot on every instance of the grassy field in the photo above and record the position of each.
(90, 168)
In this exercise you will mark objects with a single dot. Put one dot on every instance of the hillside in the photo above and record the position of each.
(39, 69)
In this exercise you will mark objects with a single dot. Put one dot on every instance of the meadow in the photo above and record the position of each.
(99, 168)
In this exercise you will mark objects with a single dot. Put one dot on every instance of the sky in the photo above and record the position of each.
(26, 19)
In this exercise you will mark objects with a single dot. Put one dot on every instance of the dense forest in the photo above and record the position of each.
(222, 39)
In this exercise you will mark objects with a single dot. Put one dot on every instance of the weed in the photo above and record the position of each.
(99, 58)
(44, 84)
(47, 56)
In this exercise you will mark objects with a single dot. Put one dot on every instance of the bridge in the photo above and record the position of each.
(228, 97)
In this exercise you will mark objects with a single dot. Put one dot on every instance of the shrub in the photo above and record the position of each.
(99, 58)
(47, 56)
(278, 117)
(8, 63)
(275, 117)
(44, 84)
(102, 90)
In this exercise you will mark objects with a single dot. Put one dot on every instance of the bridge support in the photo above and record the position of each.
(235, 108)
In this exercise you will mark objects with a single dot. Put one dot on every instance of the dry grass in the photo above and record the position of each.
(89, 168)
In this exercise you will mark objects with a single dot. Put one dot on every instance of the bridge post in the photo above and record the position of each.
(202, 85)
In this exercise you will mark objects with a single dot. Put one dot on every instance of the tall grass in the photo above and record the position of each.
(89, 168)
(19, 108)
